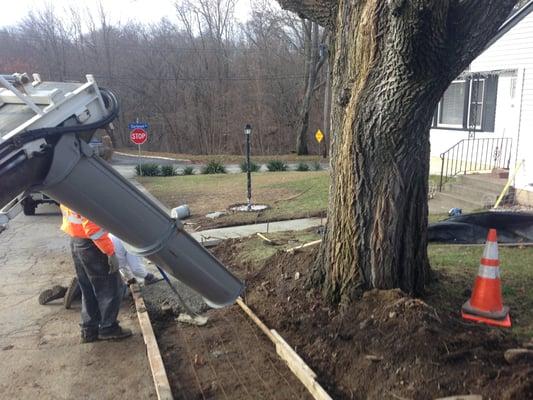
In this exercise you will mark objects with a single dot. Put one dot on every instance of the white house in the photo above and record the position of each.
(493, 100)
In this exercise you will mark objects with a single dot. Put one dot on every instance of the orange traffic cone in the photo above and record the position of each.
(485, 304)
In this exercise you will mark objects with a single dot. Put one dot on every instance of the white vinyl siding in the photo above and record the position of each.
(514, 50)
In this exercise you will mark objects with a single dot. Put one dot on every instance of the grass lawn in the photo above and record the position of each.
(289, 194)
(228, 158)
(455, 266)
(459, 265)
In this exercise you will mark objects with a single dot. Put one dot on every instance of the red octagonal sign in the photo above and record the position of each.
(138, 136)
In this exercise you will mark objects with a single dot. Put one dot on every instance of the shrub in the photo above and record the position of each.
(253, 167)
(317, 166)
(168, 170)
(302, 167)
(214, 167)
(276, 165)
(188, 170)
(147, 169)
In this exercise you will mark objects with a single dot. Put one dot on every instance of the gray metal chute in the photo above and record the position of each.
(87, 184)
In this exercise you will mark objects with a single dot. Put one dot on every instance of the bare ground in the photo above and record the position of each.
(40, 350)
(387, 345)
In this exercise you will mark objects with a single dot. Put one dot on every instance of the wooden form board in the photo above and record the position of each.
(162, 386)
(295, 363)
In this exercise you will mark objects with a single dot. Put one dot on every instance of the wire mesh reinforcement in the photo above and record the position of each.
(229, 360)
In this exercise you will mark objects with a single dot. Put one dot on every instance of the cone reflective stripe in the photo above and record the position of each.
(485, 304)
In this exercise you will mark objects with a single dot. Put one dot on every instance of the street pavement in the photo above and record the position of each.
(40, 350)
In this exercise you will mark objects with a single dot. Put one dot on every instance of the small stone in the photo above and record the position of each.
(373, 358)
(216, 214)
(514, 356)
(392, 314)
(198, 360)
(217, 353)
(296, 276)
(166, 309)
(363, 324)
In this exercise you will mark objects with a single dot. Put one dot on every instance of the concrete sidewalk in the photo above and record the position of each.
(213, 236)
(40, 348)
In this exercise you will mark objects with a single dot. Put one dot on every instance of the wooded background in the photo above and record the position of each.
(196, 81)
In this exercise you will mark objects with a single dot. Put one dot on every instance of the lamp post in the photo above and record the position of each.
(248, 133)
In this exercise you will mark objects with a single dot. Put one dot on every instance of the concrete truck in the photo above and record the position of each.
(45, 130)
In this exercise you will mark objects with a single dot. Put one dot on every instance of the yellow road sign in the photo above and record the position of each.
(319, 136)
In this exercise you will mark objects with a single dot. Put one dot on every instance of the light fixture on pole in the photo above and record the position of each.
(248, 133)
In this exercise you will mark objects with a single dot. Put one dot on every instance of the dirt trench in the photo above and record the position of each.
(387, 345)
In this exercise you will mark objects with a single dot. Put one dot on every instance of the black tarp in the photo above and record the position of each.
(513, 227)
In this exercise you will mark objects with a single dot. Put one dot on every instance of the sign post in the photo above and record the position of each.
(138, 135)
(319, 136)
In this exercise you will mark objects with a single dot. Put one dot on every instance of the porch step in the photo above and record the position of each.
(485, 182)
(468, 192)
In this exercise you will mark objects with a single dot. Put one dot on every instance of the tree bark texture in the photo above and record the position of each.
(392, 60)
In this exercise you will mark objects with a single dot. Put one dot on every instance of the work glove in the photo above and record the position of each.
(127, 276)
(112, 260)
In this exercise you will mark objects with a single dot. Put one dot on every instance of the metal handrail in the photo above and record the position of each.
(474, 155)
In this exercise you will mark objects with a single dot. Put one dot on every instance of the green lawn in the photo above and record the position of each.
(459, 265)
(455, 266)
(289, 194)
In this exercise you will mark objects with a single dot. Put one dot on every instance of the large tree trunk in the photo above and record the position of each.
(393, 60)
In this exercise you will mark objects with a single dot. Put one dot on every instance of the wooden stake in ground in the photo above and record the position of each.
(298, 366)
(313, 243)
(162, 386)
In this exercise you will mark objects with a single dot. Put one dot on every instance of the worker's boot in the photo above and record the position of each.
(73, 293)
(55, 293)
(89, 335)
(115, 333)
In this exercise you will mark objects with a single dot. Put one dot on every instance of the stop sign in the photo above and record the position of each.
(138, 136)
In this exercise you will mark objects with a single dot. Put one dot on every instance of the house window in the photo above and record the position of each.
(477, 94)
(451, 107)
(468, 104)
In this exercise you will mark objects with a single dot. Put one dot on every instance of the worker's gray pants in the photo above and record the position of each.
(101, 291)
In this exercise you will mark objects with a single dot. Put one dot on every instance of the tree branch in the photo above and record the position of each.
(472, 23)
(321, 11)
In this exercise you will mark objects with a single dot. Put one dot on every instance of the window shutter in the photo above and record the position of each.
(489, 104)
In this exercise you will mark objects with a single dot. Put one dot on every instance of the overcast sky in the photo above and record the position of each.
(145, 11)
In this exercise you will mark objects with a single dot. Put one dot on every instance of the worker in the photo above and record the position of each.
(131, 263)
(97, 270)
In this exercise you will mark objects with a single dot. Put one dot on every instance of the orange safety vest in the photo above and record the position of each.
(78, 226)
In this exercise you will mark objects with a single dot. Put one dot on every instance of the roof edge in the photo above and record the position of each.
(511, 22)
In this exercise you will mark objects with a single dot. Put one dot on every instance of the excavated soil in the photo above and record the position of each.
(386, 345)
